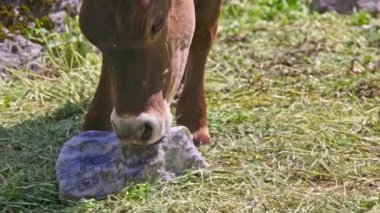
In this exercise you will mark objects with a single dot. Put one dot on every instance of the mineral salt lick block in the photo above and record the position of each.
(93, 164)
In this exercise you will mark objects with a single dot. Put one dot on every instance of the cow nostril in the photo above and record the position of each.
(147, 133)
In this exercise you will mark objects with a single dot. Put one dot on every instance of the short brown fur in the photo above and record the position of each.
(136, 69)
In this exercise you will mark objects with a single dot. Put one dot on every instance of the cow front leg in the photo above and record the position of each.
(98, 116)
(191, 107)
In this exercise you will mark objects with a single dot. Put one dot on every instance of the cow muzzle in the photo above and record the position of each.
(143, 129)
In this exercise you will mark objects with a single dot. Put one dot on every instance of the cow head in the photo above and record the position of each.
(145, 44)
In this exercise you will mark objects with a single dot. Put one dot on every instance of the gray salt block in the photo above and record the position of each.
(93, 164)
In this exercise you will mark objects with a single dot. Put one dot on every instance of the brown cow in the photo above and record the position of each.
(147, 45)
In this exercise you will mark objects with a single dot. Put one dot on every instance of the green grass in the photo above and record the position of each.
(294, 111)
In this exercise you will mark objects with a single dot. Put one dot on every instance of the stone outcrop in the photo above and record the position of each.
(18, 52)
(345, 6)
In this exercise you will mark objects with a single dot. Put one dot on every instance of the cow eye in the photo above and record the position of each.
(158, 23)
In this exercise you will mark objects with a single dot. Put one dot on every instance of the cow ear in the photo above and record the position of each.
(158, 23)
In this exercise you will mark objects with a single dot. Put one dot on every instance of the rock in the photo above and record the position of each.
(17, 52)
(39, 8)
(94, 165)
(340, 6)
(345, 6)
(72, 7)
(90, 165)
(372, 6)
(58, 18)
(164, 160)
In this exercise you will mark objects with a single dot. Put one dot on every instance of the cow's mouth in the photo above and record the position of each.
(124, 140)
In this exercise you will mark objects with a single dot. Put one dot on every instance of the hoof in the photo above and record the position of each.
(202, 137)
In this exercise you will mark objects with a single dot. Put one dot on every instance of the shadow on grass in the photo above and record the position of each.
(28, 152)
